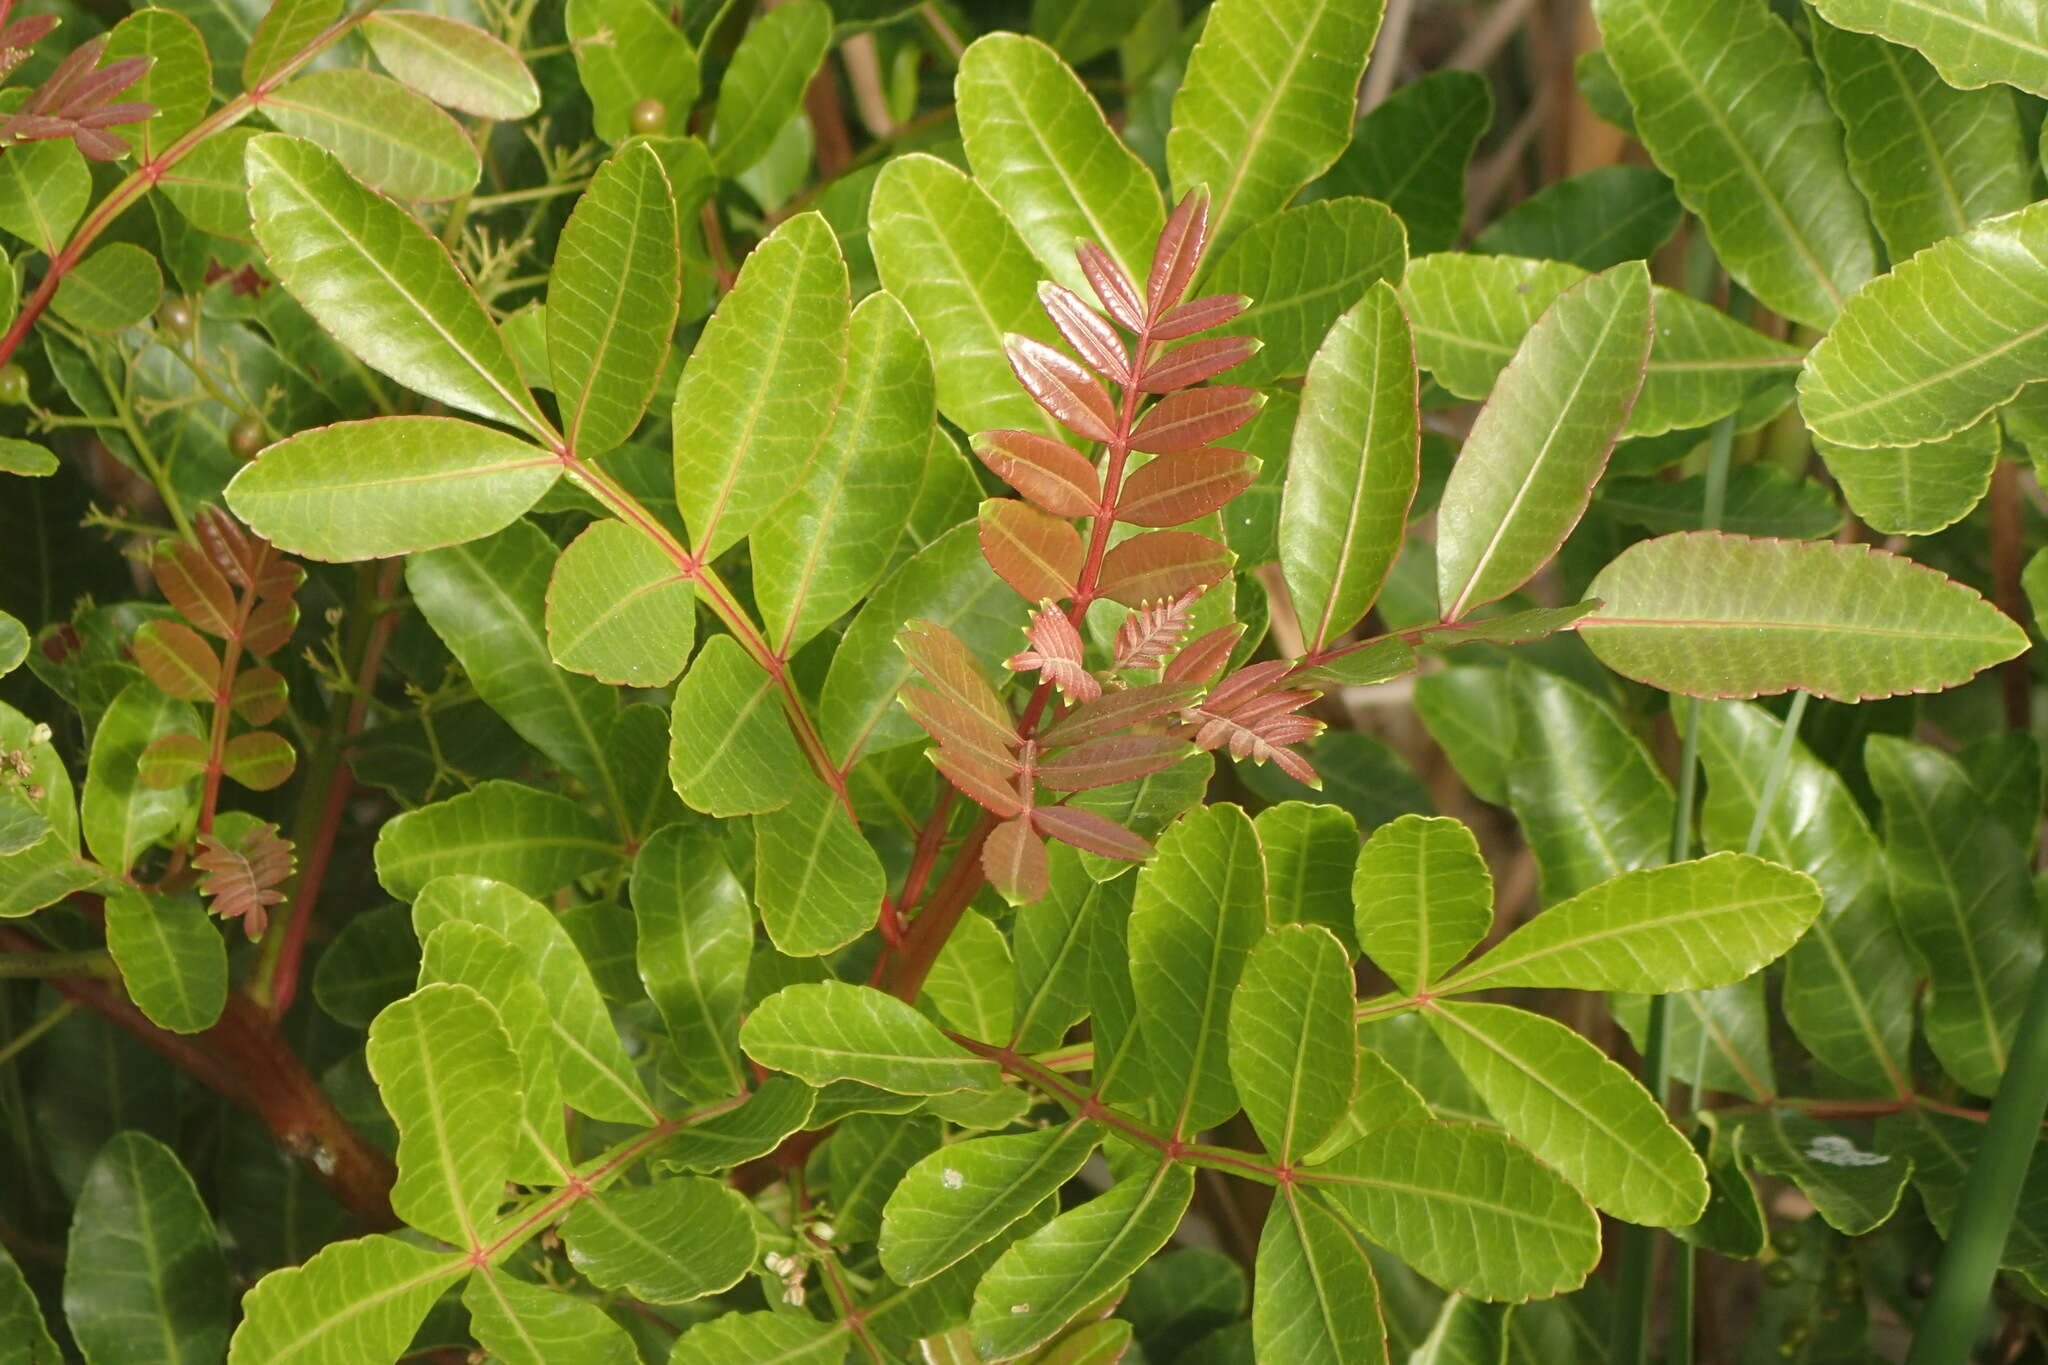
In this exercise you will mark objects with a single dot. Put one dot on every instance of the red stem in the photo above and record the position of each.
(224, 688)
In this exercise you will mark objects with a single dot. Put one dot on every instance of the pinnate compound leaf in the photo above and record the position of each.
(1971, 42)
(619, 609)
(1846, 622)
(1315, 1300)
(172, 960)
(1465, 1207)
(527, 1324)
(1293, 1049)
(1302, 268)
(390, 138)
(145, 1280)
(389, 486)
(1731, 110)
(534, 840)
(1036, 553)
(1527, 471)
(1976, 308)
(675, 1240)
(1422, 897)
(817, 881)
(695, 935)
(1045, 1280)
(453, 63)
(828, 1031)
(352, 1302)
(1267, 103)
(764, 83)
(1681, 927)
(1158, 566)
(376, 279)
(449, 1078)
(967, 1193)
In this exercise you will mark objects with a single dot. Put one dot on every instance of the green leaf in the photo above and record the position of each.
(1720, 616)
(758, 393)
(1864, 385)
(1931, 160)
(612, 300)
(731, 751)
(1045, 1280)
(619, 608)
(761, 1338)
(21, 1317)
(286, 29)
(1596, 220)
(145, 1281)
(1681, 927)
(1201, 905)
(49, 869)
(1423, 898)
(627, 51)
(1311, 854)
(352, 1302)
(1471, 312)
(1919, 489)
(526, 1324)
(1527, 470)
(780, 1106)
(178, 84)
(669, 1242)
(764, 84)
(1293, 1050)
(210, 185)
(1759, 500)
(1849, 983)
(1577, 1110)
(449, 1079)
(1465, 1207)
(1352, 467)
(389, 486)
(816, 879)
(971, 983)
(172, 960)
(119, 815)
(390, 138)
(1412, 151)
(597, 1076)
(487, 600)
(44, 187)
(831, 541)
(113, 289)
(1943, 1148)
(1267, 103)
(1963, 893)
(1733, 113)
(1855, 1190)
(25, 458)
(966, 277)
(531, 839)
(827, 1030)
(866, 1162)
(453, 63)
(1302, 269)
(1718, 1038)
(964, 1195)
(1054, 942)
(376, 279)
(1037, 141)
(696, 932)
(1971, 42)
(1315, 1300)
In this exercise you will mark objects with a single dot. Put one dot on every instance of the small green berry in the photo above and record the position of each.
(13, 385)
(1785, 1241)
(175, 317)
(648, 116)
(1777, 1274)
(247, 437)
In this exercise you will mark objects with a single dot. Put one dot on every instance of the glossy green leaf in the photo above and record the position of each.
(1038, 143)
(389, 486)
(389, 137)
(669, 1242)
(967, 278)
(1675, 928)
(1943, 1148)
(374, 960)
(696, 932)
(619, 609)
(1302, 269)
(1594, 220)
(827, 1030)
(1311, 853)
(1720, 616)
(761, 1338)
(967, 1193)
(527, 1324)
(22, 1318)
(210, 184)
(1972, 305)
(1411, 153)
(119, 815)
(758, 393)
(764, 83)
(1916, 490)
(731, 752)
(1043, 1281)
(866, 1162)
(145, 1281)
(1267, 103)
(48, 869)
(372, 276)
(25, 458)
(114, 288)
(1971, 42)
(1577, 1110)
(172, 960)
(972, 984)
(817, 881)
(1719, 1038)
(831, 540)
(1352, 467)
(1315, 1300)
(1201, 905)
(528, 838)
(1730, 109)
(44, 187)
(1853, 1188)
(1758, 500)
(178, 84)
(453, 63)
(1423, 898)
(627, 51)
(612, 300)
(1466, 1207)
(778, 1107)
(1054, 942)
(448, 1076)
(285, 30)
(1293, 1050)
(1527, 470)
(352, 1302)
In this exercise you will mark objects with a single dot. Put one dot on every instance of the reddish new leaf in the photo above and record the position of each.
(1094, 340)
(195, 588)
(178, 660)
(952, 670)
(259, 695)
(1162, 564)
(1114, 712)
(1175, 490)
(1257, 720)
(1196, 362)
(1106, 762)
(979, 781)
(1050, 473)
(231, 549)
(1074, 397)
(1090, 832)
(241, 881)
(960, 727)
(1056, 653)
(1152, 630)
(1199, 315)
(1204, 658)
(1034, 552)
(1247, 683)
(1014, 859)
(1111, 285)
(260, 760)
(1192, 418)
(1179, 252)
(270, 625)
